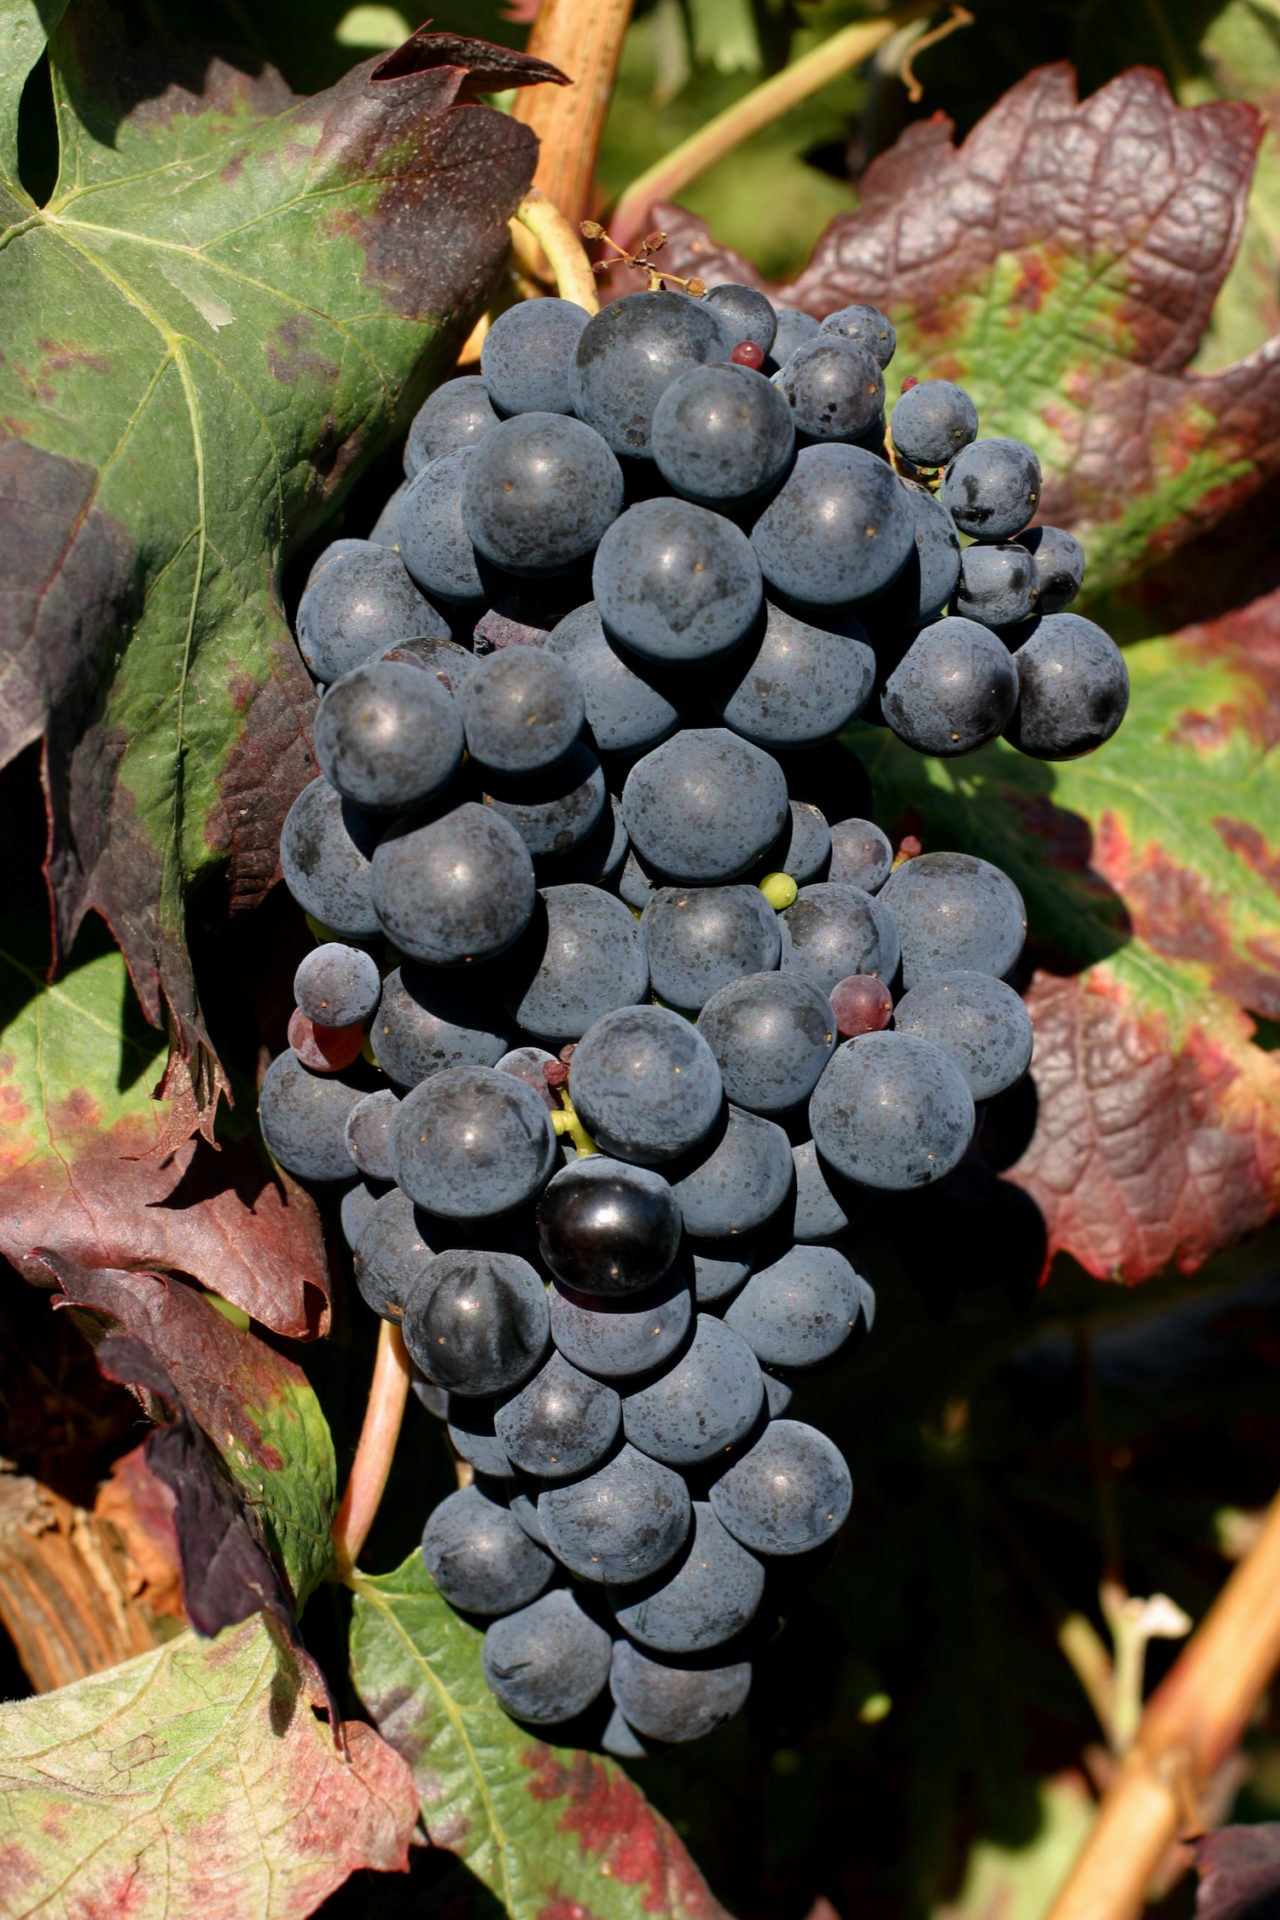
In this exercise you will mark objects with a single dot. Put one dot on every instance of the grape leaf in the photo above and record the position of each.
(257, 1407)
(1239, 1871)
(233, 297)
(554, 1834)
(1061, 264)
(1151, 873)
(84, 1161)
(227, 1573)
(194, 1779)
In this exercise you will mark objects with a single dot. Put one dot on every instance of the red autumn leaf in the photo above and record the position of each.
(86, 1163)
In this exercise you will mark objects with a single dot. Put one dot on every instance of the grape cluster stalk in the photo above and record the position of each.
(622, 1004)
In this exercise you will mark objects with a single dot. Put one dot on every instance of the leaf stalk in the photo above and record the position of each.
(366, 1483)
(561, 245)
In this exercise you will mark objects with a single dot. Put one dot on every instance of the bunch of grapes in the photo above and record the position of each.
(623, 1003)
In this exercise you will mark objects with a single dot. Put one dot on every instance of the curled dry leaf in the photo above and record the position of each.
(83, 1166)
(232, 298)
(256, 1407)
(196, 1779)
(1061, 263)
(227, 1574)
(1152, 881)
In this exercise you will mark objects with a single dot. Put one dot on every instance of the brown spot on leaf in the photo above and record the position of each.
(618, 1829)
(62, 356)
(1180, 914)
(1036, 278)
(1143, 1154)
(268, 764)
(1244, 839)
(292, 356)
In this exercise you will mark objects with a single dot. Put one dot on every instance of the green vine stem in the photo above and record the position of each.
(765, 103)
(388, 1392)
(561, 245)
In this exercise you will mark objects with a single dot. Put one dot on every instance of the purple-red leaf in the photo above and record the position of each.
(1239, 1869)
(227, 1574)
(255, 1406)
(85, 1162)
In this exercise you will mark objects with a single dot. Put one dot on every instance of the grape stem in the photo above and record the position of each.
(562, 246)
(765, 103)
(388, 1392)
(1195, 1718)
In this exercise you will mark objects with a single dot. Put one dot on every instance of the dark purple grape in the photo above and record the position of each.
(608, 1228)
(477, 1322)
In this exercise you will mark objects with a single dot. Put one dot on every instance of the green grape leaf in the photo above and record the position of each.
(1061, 264)
(258, 1408)
(232, 299)
(1151, 873)
(88, 1164)
(552, 1833)
(197, 1778)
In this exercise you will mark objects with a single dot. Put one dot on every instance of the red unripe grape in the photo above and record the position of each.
(861, 1004)
(912, 380)
(323, 1049)
(748, 354)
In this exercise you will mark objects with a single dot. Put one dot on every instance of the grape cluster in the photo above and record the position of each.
(647, 1003)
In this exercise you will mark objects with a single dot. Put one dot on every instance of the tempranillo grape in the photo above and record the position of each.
(538, 493)
(337, 985)
(787, 1495)
(629, 353)
(476, 1322)
(645, 1084)
(705, 805)
(547, 1662)
(303, 1117)
(620, 1523)
(388, 736)
(453, 889)
(675, 583)
(614, 1339)
(470, 1142)
(561, 1424)
(479, 1557)
(676, 1703)
(607, 1228)
(892, 1111)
